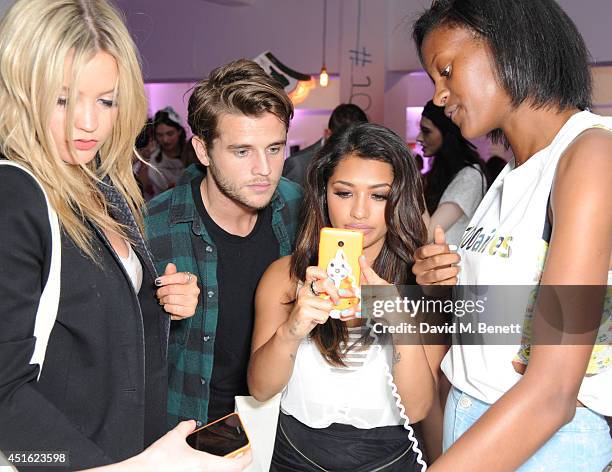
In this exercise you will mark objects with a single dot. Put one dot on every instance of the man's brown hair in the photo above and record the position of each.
(240, 87)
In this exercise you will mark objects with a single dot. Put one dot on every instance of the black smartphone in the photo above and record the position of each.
(224, 437)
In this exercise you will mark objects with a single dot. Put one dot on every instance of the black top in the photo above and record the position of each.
(241, 263)
(90, 399)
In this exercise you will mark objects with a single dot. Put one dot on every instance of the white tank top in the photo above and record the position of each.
(319, 394)
(511, 251)
(133, 267)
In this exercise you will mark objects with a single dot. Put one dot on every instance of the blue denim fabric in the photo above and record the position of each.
(583, 445)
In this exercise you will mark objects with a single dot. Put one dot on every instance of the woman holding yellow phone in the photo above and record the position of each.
(337, 409)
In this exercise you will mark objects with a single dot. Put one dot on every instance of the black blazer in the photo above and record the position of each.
(295, 165)
(102, 392)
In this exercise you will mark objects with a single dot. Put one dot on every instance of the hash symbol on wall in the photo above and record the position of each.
(360, 58)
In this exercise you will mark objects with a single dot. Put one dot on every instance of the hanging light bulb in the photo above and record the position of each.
(324, 77)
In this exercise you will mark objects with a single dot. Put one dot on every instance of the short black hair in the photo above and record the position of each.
(539, 55)
(345, 114)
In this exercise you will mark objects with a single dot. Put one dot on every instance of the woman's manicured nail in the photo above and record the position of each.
(158, 282)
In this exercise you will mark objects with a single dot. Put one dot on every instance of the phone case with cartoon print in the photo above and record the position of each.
(339, 251)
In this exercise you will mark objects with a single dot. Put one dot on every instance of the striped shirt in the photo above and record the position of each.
(354, 352)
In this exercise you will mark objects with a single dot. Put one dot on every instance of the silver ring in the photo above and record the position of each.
(313, 290)
(189, 277)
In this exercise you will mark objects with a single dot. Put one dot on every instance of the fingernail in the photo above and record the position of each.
(452, 247)
(158, 282)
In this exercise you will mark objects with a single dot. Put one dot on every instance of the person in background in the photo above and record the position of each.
(73, 102)
(519, 71)
(296, 165)
(226, 221)
(146, 144)
(166, 162)
(456, 182)
(337, 408)
(171, 138)
(145, 147)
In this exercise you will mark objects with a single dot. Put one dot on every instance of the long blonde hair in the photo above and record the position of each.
(36, 38)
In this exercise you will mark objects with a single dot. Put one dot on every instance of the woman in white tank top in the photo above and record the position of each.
(338, 411)
(519, 70)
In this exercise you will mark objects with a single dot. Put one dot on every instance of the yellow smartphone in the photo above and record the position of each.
(339, 251)
(224, 437)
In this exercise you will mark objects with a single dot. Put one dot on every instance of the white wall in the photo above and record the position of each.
(592, 18)
(602, 90)
(401, 52)
(185, 40)
(363, 56)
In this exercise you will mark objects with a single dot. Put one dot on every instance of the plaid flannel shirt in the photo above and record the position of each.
(171, 219)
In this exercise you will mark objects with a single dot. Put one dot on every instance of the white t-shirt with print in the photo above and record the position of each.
(503, 245)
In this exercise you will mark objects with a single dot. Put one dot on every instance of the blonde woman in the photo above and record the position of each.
(72, 104)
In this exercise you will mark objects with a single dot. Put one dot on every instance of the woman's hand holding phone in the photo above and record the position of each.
(171, 452)
(309, 308)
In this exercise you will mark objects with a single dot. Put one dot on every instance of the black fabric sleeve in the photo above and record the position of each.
(28, 421)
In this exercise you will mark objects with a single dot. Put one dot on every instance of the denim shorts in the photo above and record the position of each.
(583, 445)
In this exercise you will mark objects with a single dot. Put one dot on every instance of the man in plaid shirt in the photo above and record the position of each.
(225, 222)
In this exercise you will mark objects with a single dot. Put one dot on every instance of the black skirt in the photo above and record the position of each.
(341, 447)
